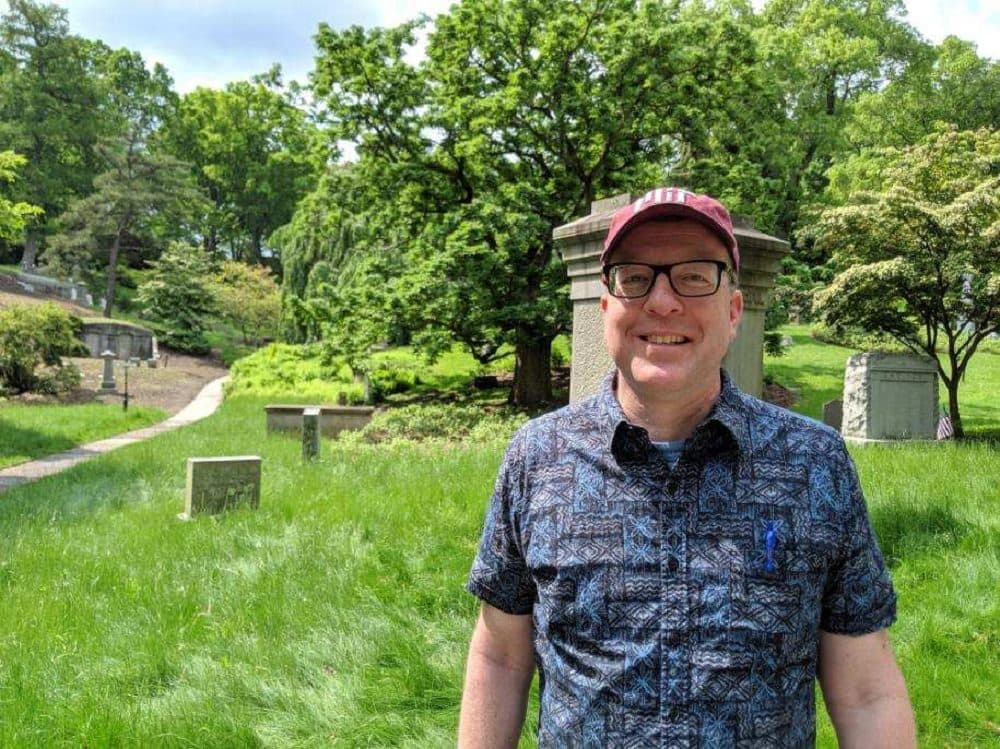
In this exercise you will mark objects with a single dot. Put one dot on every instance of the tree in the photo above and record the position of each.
(250, 147)
(523, 113)
(49, 109)
(142, 196)
(248, 297)
(177, 298)
(14, 216)
(920, 250)
(33, 335)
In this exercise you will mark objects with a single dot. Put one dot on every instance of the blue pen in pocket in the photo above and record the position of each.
(770, 542)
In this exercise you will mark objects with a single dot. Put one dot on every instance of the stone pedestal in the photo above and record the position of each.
(890, 397)
(310, 434)
(581, 242)
(108, 377)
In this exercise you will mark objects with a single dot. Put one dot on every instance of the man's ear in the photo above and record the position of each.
(735, 313)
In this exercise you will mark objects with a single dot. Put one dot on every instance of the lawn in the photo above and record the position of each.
(31, 431)
(334, 615)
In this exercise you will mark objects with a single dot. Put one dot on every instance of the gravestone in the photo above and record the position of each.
(108, 377)
(332, 419)
(218, 484)
(890, 397)
(310, 434)
(833, 413)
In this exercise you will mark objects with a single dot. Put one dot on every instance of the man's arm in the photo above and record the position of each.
(497, 678)
(864, 692)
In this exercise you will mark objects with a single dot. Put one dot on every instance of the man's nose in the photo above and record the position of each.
(662, 299)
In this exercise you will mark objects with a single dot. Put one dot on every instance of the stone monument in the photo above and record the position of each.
(580, 243)
(310, 433)
(218, 484)
(890, 397)
(108, 377)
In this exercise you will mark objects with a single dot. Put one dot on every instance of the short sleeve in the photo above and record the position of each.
(499, 575)
(859, 597)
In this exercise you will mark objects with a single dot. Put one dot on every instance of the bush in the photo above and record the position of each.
(441, 422)
(300, 369)
(854, 338)
(32, 336)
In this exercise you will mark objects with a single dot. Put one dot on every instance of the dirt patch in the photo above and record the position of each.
(778, 395)
(169, 387)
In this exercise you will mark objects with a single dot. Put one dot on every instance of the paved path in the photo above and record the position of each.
(204, 404)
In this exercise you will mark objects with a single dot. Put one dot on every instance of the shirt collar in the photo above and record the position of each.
(630, 444)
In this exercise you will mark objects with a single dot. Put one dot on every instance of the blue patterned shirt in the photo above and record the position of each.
(680, 608)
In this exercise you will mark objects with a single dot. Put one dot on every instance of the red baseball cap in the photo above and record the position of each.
(673, 201)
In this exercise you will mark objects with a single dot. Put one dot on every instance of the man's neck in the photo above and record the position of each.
(667, 416)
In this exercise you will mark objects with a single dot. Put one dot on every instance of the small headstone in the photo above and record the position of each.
(787, 341)
(833, 413)
(108, 378)
(310, 434)
(218, 484)
(485, 382)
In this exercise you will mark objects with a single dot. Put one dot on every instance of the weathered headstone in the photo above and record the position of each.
(310, 434)
(218, 484)
(332, 419)
(833, 413)
(108, 378)
(890, 397)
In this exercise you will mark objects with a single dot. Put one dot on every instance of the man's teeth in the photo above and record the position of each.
(665, 338)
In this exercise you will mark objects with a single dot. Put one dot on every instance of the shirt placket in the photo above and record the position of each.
(676, 627)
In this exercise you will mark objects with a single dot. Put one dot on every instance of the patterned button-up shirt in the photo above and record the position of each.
(680, 608)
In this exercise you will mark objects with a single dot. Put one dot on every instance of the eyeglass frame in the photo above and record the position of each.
(665, 270)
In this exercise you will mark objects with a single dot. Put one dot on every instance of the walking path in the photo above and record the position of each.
(204, 404)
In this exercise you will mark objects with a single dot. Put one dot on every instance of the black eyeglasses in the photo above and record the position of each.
(692, 278)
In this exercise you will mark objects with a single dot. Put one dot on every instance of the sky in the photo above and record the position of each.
(212, 42)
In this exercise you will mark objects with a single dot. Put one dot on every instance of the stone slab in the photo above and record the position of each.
(218, 484)
(332, 419)
(833, 413)
(310, 434)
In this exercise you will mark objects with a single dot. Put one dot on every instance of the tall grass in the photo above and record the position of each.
(334, 615)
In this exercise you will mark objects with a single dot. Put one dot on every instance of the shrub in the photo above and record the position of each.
(442, 422)
(290, 368)
(32, 336)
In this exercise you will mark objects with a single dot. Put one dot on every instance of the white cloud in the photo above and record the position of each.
(972, 20)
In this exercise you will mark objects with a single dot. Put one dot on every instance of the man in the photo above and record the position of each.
(680, 560)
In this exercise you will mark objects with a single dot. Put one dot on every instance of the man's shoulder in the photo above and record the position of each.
(766, 421)
(580, 420)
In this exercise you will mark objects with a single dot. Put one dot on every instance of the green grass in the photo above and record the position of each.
(815, 372)
(335, 616)
(31, 431)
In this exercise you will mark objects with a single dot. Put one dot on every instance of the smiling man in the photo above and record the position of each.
(679, 560)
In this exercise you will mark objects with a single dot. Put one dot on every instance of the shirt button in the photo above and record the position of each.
(673, 565)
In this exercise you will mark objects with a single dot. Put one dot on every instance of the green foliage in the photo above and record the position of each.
(920, 250)
(454, 423)
(176, 298)
(248, 297)
(303, 370)
(32, 336)
(14, 216)
(467, 176)
(251, 149)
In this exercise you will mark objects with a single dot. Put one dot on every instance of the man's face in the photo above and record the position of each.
(663, 343)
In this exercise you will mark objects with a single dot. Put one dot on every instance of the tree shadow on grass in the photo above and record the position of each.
(18, 441)
(903, 532)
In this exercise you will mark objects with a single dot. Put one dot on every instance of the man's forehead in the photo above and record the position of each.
(672, 234)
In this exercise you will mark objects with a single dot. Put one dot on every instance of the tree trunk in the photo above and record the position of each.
(30, 255)
(956, 418)
(532, 376)
(109, 291)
